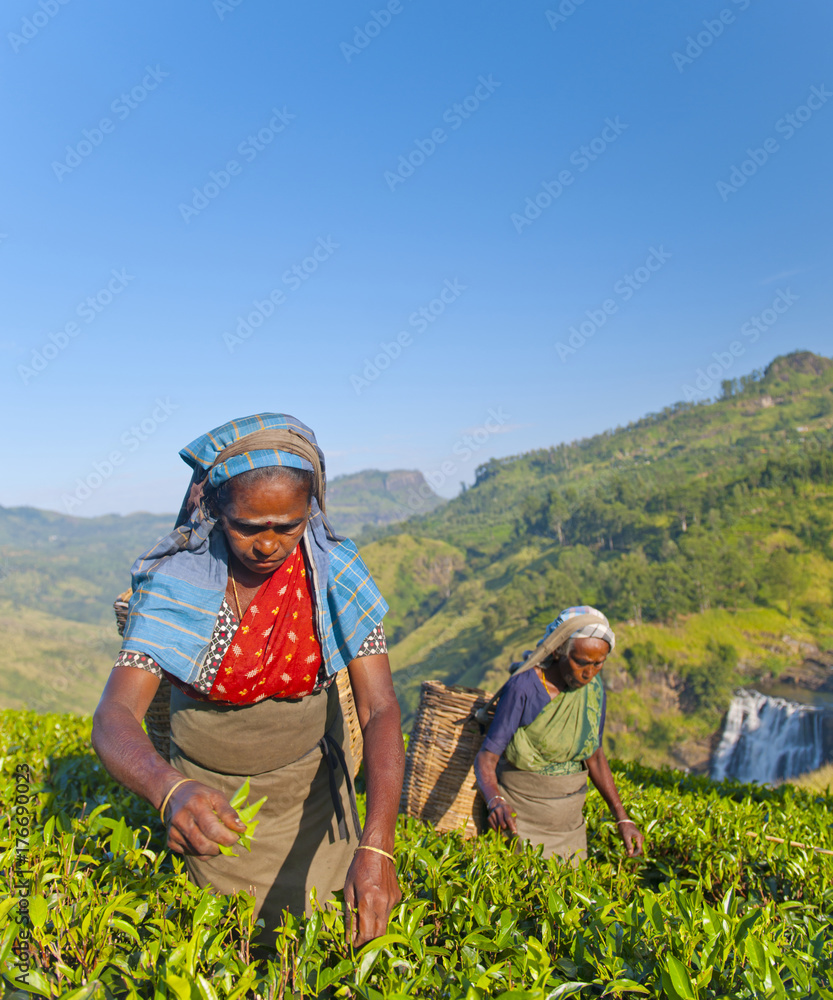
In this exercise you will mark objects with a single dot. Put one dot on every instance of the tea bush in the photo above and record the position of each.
(100, 910)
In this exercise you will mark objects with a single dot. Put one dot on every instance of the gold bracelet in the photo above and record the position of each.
(171, 791)
(376, 850)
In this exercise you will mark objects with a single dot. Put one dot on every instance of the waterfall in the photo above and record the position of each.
(766, 739)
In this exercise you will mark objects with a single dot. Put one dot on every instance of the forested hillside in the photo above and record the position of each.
(704, 531)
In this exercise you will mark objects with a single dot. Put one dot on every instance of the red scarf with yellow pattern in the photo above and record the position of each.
(274, 652)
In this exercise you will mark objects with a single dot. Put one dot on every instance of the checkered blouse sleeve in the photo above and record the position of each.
(126, 658)
(375, 643)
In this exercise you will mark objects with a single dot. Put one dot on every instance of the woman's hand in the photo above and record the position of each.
(370, 893)
(599, 771)
(502, 818)
(632, 837)
(199, 819)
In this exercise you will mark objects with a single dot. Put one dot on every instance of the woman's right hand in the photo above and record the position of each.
(485, 770)
(199, 819)
(502, 818)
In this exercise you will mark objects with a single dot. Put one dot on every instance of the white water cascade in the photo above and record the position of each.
(766, 739)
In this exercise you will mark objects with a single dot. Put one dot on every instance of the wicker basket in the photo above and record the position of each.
(439, 786)
(158, 715)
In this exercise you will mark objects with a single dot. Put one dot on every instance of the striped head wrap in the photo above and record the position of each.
(600, 631)
(587, 630)
(179, 584)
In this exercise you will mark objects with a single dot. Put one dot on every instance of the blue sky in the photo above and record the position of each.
(513, 171)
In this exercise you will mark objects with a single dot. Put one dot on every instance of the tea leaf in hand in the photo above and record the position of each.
(247, 815)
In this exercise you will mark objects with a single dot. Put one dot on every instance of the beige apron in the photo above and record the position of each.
(549, 809)
(278, 744)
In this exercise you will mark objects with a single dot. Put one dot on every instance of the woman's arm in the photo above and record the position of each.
(600, 775)
(372, 890)
(199, 817)
(485, 770)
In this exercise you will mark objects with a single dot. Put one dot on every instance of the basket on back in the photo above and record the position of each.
(158, 715)
(440, 786)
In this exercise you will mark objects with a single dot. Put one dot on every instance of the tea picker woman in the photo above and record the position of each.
(250, 607)
(546, 739)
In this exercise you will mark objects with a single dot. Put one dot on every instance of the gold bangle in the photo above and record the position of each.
(171, 791)
(376, 850)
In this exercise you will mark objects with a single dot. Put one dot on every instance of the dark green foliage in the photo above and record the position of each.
(708, 685)
(642, 655)
(714, 911)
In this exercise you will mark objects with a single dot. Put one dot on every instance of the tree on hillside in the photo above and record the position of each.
(782, 577)
(628, 587)
(702, 552)
(708, 685)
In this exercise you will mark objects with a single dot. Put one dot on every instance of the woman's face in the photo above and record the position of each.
(264, 522)
(583, 662)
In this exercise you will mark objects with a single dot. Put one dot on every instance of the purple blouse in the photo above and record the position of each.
(524, 698)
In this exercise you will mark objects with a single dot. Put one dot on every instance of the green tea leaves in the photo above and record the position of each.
(247, 814)
(712, 913)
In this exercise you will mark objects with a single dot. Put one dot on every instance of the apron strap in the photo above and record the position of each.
(333, 754)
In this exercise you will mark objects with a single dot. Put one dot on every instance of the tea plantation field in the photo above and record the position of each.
(94, 907)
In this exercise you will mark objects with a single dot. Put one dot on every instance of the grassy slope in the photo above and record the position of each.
(71, 567)
(820, 781)
(51, 664)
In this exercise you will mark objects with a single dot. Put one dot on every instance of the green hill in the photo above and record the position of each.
(51, 664)
(703, 531)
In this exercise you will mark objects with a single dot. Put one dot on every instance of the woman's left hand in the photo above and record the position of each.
(630, 834)
(370, 893)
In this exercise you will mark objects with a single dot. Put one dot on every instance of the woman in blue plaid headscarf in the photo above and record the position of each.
(546, 738)
(249, 609)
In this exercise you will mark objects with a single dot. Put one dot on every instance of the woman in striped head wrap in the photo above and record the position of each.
(546, 738)
(249, 608)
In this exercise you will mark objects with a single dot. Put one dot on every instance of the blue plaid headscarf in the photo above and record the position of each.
(600, 631)
(179, 584)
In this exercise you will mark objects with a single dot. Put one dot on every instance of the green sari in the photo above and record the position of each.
(563, 735)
